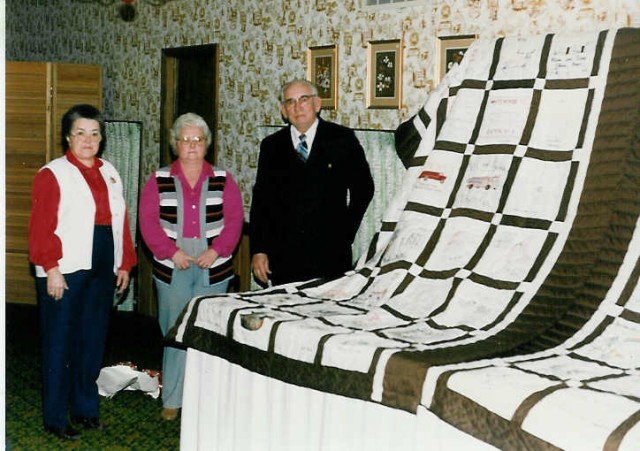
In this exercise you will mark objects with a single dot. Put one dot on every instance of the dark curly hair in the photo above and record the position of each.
(82, 111)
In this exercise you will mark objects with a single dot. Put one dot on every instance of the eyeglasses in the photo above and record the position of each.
(190, 139)
(93, 135)
(302, 100)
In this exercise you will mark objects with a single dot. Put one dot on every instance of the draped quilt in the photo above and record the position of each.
(501, 291)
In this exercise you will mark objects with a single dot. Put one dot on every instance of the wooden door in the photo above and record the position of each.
(72, 84)
(37, 95)
(189, 84)
(27, 149)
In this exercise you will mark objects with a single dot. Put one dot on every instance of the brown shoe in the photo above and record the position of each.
(169, 414)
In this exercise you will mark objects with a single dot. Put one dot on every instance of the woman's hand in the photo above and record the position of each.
(56, 283)
(206, 259)
(181, 260)
(122, 282)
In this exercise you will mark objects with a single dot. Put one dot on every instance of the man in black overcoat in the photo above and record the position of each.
(307, 204)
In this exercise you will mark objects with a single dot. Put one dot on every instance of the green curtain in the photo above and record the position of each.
(387, 171)
(123, 151)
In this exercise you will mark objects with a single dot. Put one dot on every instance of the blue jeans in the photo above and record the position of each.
(73, 334)
(172, 299)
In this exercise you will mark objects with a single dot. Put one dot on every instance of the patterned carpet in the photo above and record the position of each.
(132, 418)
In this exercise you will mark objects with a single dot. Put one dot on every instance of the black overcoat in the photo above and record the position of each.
(304, 216)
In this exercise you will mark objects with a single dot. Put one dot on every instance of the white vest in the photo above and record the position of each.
(76, 215)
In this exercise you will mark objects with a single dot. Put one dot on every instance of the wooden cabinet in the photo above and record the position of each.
(36, 95)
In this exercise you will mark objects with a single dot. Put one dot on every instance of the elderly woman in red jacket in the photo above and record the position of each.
(80, 244)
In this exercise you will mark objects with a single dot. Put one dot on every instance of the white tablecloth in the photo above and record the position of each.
(226, 407)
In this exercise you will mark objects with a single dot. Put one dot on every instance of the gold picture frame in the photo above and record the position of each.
(451, 50)
(322, 70)
(384, 74)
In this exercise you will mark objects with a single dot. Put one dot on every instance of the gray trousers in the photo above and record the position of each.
(172, 299)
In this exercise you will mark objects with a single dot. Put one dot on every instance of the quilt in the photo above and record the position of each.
(500, 291)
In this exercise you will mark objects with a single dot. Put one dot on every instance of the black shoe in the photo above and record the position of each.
(85, 423)
(66, 433)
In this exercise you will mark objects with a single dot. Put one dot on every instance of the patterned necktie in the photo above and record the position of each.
(303, 150)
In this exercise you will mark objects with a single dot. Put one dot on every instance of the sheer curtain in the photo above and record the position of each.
(387, 172)
(123, 151)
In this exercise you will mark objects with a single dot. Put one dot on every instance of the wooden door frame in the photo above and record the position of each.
(170, 60)
(168, 98)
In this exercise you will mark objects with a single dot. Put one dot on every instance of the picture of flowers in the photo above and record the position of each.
(322, 69)
(384, 74)
(451, 50)
(323, 76)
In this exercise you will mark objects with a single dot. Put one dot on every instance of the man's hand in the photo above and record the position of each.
(260, 266)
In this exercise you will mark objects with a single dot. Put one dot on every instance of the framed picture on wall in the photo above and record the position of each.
(384, 74)
(451, 50)
(322, 69)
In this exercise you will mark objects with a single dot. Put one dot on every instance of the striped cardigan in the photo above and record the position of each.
(211, 221)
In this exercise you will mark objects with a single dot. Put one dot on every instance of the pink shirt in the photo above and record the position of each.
(155, 237)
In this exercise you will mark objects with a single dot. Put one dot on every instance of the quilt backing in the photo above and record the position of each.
(501, 289)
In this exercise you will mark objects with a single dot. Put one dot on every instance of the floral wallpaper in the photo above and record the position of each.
(264, 43)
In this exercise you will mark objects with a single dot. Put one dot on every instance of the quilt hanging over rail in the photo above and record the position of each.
(501, 289)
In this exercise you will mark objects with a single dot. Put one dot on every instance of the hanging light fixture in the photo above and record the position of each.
(127, 8)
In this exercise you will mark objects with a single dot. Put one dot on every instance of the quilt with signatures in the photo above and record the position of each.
(501, 290)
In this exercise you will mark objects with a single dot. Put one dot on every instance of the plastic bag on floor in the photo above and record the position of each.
(113, 379)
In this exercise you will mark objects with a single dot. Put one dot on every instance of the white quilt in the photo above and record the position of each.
(501, 289)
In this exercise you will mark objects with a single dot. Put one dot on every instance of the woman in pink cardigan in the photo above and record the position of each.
(191, 219)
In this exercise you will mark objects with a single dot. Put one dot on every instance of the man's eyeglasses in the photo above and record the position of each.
(302, 100)
(93, 135)
(190, 139)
